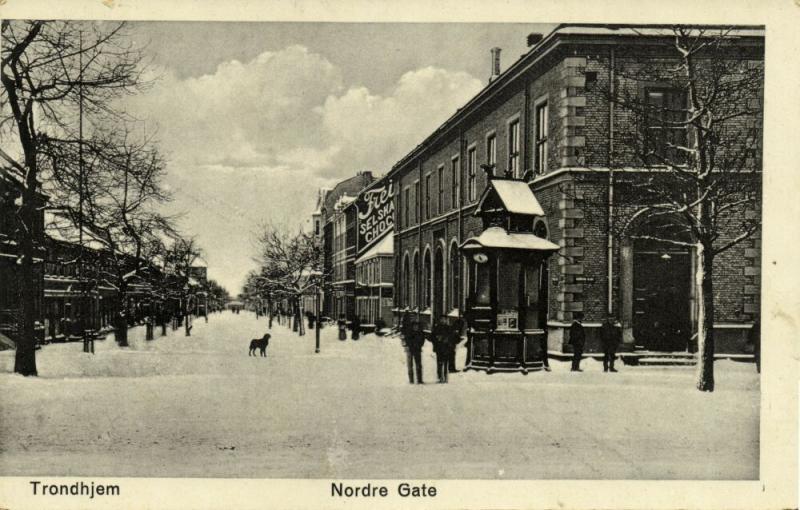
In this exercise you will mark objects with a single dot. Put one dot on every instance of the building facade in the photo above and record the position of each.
(338, 214)
(548, 121)
(10, 282)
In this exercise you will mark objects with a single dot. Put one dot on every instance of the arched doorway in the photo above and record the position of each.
(455, 272)
(658, 299)
(438, 293)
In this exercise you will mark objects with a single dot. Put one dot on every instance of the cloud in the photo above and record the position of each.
(373, 131)
(290, 109)
(253, 141)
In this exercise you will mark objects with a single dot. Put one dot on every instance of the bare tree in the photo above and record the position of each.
(181, 256)
(50, 71)
(696, 130)
(291, 263)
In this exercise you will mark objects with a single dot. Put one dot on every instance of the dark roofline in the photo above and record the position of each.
(538, 51)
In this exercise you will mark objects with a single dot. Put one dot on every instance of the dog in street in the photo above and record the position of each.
(260, 344)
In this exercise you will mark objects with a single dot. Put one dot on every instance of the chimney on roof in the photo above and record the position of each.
(495, 64)
(534, 38)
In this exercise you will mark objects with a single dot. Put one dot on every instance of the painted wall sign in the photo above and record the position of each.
(375, 215)
(584, 279)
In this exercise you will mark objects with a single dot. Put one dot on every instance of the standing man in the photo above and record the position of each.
(455, 339)
(441, 336)
(577, 338)
(356, 325)
(609, 337)
(543, 348)
(413, 340)
(342, 324)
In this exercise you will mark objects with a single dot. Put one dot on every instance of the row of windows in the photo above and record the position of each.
(433, 202)
(369, 272)
(435, 275)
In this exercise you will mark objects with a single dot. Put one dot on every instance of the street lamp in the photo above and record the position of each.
(317, 276)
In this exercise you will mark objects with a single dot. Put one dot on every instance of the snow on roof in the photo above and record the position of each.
(383, 247)
(496, 237)
(516, 196)
(655, 30)
(60, 228)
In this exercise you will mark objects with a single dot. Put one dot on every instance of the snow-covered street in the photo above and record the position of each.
(199, 406)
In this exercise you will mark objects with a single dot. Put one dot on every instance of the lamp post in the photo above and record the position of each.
(317, 275)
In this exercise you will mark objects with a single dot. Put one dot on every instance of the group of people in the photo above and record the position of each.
(610, 338)
(355, 327)
(444, 337)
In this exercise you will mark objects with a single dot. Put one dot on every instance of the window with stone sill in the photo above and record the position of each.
(472, 163)
(540, 141)
(513, 148)
(665, 112)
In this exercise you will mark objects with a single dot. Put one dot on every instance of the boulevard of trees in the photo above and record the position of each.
(67, 137)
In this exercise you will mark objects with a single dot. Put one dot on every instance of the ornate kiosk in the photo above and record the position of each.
(506, 307)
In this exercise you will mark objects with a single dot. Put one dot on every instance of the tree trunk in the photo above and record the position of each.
(25, 356)
(299, 315)
(295, 313)
(121, 322)
(705, 318)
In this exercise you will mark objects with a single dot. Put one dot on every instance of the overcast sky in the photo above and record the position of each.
(255, 117)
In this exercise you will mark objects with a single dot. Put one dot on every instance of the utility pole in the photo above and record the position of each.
(88, 341)
(316, 312)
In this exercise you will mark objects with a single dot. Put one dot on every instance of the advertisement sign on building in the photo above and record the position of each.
(375, 215)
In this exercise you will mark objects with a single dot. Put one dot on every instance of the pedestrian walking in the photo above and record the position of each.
(577, 338)
(455, 339)
(342, 324)
(356, 328)
(610, 339)
(441, 337)
(413, 340)
(754, 338)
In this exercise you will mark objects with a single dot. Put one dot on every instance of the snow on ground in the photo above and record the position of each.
(199, 406)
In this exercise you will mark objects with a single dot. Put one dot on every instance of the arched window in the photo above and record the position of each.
(438, 292)
(406, 287)
(455, 271)
(415, 281)
(426, 280)
(540, 229)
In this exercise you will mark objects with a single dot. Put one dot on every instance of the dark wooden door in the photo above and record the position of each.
(661, 281)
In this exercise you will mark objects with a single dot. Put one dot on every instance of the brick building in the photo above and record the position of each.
(11, 189)
(339, 244)
(547, 121)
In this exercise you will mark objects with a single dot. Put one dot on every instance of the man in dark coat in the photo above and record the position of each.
(543, 347)
(441, 336)
(342, 324)
(458, 325)
(356, 326)
(609, 338)
(577, 338)
(413, 340)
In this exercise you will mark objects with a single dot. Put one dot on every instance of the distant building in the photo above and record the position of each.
(10, 284)
(339, 244)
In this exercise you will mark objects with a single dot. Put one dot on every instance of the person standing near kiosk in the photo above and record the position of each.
(610, 337)
(577, 338)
